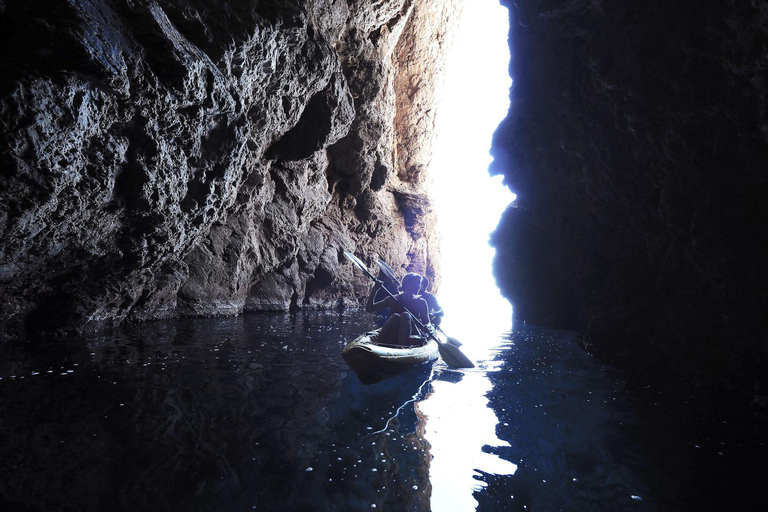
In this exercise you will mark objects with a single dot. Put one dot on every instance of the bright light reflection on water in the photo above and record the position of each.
(460, 425)
(261, 413)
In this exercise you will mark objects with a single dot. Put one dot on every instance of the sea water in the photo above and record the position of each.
(260, 412)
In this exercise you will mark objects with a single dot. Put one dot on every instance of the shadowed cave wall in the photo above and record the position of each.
(162, 158)
(637, 142)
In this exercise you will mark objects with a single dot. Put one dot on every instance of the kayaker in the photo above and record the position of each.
(435, 311)
(380, 293)
(400, 329)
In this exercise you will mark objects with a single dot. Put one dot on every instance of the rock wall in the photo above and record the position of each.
(163, 158)
(637, 143)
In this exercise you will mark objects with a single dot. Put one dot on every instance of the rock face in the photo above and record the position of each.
(163, 158)
(637, 143)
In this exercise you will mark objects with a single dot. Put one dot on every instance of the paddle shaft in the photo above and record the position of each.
(450, 354)
(439, 329)
(422, 328)
(391, 273)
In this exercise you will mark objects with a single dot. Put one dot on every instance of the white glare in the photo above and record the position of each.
(468, 202)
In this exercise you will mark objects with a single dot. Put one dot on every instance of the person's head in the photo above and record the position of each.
(411, 283)
(424, 284)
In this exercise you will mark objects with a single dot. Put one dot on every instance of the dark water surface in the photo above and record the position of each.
(261, 413)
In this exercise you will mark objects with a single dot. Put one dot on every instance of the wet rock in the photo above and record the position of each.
(163, 158)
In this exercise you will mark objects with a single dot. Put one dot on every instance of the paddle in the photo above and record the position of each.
(451, 355)
(391, 274)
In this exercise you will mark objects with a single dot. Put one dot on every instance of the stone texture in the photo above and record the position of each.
(637, 143)
(165, 158)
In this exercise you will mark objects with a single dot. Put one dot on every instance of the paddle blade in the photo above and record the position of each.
(453, 341)
(388, 271)
(358, 263)
(454, 357)
(354, 259)
(449, 340)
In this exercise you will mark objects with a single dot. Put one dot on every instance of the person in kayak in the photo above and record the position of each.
(401, 329)
(435, 311)
(380, 292)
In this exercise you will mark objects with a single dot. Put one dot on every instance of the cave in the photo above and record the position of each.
(166, 159)
(636, 144)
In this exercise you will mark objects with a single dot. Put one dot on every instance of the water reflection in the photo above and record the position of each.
(261, 413)
(376, 426)
(258, 412)
(460, 429)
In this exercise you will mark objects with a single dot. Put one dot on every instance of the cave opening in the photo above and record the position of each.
(468, 205)
(468, 201)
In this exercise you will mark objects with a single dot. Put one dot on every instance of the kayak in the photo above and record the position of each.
(373, 362)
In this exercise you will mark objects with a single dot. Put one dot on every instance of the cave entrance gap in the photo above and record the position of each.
(468, 205)
(468, 202)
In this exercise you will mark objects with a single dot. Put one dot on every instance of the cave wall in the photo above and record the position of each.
(637, 142)
(162, 158)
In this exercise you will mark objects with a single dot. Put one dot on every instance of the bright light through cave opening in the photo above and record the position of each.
(468, 202)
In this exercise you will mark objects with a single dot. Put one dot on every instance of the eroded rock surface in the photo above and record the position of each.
(637, 143)
(166, 157)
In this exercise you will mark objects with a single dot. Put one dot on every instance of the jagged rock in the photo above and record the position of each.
(163, 158)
